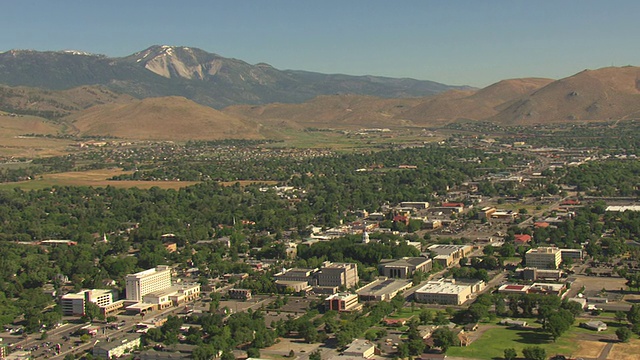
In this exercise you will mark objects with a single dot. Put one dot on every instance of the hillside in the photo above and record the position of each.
(168, 118)
(203, 77)
(604, 94)
(340, 111)
(54, 104)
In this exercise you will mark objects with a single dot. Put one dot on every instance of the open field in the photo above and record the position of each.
(95, 178)
(495, 339)
(625, 351)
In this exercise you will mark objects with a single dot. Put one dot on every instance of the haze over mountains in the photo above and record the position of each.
(168, 93)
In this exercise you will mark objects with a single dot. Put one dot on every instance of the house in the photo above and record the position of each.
(513, 323)
(594, 325)
(522, 239)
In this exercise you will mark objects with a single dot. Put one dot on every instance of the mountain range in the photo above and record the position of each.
(166, 93)
(203, 77)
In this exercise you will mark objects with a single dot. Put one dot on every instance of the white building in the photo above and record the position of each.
(447, 292)
(116, 348)
(544, 258)
(74, 304)
(148, 281)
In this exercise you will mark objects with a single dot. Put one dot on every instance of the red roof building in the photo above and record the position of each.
(522, 239)
(453, 204)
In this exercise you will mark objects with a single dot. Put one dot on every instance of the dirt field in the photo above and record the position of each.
(589, 349)
(284, 346)
(628, 351)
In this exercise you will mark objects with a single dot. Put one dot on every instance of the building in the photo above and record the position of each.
(74, 304)
(383, 289)
(405, 267)
(140, 284)
(297, 275)
(447, 292)
(534, 274)
(514, 289)
(360, 349)
(342, 302)
(522, 239)
(486, 212)
(338, 274)
(414, 204)
(116, 348)
(544, 258)
(449, 254)
(573, 254)
(594, 325)
(173, 295)
(240, 294)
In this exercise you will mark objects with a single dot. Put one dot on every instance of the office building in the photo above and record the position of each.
(140, 284)
(338, 274)
(544, 258)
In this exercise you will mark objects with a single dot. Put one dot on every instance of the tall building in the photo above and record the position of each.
(544, 258)
(74, 304)
(148, 281)
(338, 274)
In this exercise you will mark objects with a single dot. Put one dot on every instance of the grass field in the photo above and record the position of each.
(95, 178)
(98, 178)
(492, 343)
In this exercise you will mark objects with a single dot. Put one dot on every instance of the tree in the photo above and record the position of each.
(620, 316)
(510, 354)
(534, 353)
(623, 333)
(315, 355)
(634, 314)
(559, 322)
(92, 311)
(443, 338)
(253, 353)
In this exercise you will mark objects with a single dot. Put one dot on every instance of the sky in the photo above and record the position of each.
(456, 42)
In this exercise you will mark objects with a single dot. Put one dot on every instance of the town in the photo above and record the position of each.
(469, 247)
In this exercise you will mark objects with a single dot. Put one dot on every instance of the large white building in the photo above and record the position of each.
(74, 304)
(447, 292)
(148, 281)
(544, 258)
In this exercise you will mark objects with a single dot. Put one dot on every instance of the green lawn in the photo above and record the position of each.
(405, 313)
(493, 342)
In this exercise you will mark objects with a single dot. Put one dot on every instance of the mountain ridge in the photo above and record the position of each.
(206, 78)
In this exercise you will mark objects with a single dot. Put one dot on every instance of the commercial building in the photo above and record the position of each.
(297, 275)
(544, 258)
(116, 348)
(447, 292)
(342, 302)
(449, 254)
(74, 304)
(240, 294)
(173, 295)
(573, 254)
(140, 284)
(414, 204)
(405, 267)
(383, 289)
(338, 274)
(360, 349)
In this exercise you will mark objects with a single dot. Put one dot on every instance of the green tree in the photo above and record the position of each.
(534, 353)
(623, 333)
(92, 311)
(253, 353)
(510, 354)
(620, 316)
(443, 338)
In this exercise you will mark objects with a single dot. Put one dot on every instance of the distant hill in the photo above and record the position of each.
(203, 77)
(53, 104)
(167, 118)
(605, 94)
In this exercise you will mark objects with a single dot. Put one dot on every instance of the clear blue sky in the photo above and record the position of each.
(473, 42)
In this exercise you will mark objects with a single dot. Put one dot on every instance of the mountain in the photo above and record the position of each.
(605, 94)
(473, 105)
(203, 77)
(168, 118)
(368, 111)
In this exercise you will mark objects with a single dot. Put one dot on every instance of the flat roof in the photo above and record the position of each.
(383, 286)
(442, 287)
